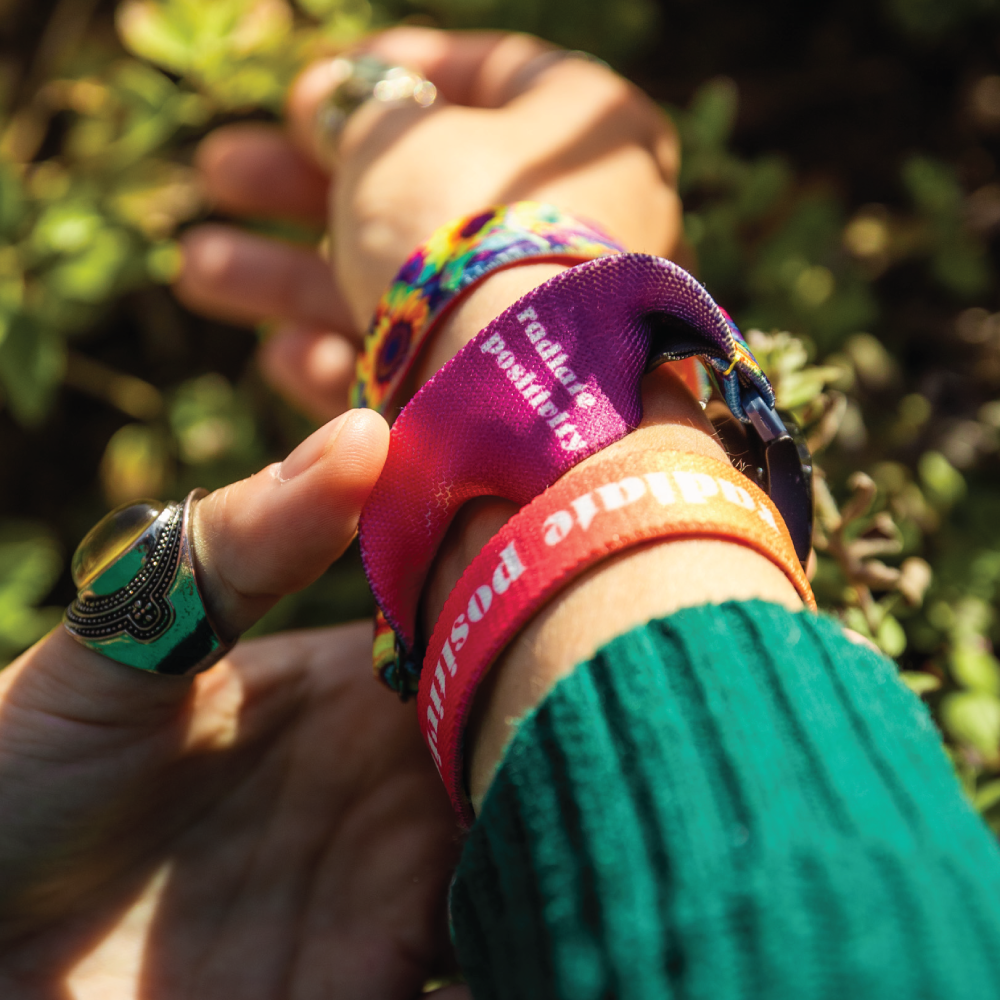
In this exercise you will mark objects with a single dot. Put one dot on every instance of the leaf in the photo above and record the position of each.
(961, 265)
(713, 112)
(93, 275)
(854, 618)
(30, 564)
(920, 683)
(164, 262)
(156, 197)
(932, 18)
(327, 9)
(763, 185)
(67, 227)
(32, 360)
(873, 364)
(890, 637)
(149, 30)
(942, 481)
(12, 200)
(801, 387)
(210, 421)
(987, 796)
(134, 464)
(933, 186)
(975, 668)
(973, 718)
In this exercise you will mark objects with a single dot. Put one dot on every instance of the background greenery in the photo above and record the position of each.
(842, 194)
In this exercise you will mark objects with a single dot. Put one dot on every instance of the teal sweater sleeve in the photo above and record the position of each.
(732, 802)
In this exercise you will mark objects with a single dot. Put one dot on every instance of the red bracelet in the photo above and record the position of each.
(587, 516)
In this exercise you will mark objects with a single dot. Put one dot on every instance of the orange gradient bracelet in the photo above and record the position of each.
(590, 514)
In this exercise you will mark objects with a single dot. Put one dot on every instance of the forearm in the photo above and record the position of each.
(734, 802)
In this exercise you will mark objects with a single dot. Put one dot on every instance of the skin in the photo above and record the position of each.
(274, 828)
(270, 828)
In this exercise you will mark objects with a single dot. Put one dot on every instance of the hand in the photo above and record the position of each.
(510, 124)
(272, 828)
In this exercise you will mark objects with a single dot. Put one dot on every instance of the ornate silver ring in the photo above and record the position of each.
(138, 600)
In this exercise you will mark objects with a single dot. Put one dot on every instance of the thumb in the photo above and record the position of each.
(276, 532)
(84, 740)
(252, 543)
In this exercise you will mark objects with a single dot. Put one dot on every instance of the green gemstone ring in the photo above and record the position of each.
(137, 600)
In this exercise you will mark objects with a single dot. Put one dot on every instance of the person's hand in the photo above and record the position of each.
(511, 123)
(272, 828)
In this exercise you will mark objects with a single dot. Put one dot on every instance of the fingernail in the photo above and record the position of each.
(310, 451)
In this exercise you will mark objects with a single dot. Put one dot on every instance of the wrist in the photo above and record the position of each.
(617, 595)
(495, 421)
(476, 309)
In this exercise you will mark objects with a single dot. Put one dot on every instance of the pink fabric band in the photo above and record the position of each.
(552, 380)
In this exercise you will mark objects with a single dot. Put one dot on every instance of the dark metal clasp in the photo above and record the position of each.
(787, 468)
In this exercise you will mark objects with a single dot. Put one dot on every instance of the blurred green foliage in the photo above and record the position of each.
(95, 180)
(29, 566)
(909, 548)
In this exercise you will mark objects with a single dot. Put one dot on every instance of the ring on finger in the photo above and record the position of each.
(138, 601)
(360, 79)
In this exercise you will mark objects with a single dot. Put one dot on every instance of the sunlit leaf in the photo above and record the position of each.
(135, 464)
(157, 198)
(31, 366)
(148, 30)
(973, 718)
(211, 421)
(919, 683)
(944, 483)
(891, 638)
(30, 563)
(92, 275)
(67, 227)
(987, 796)
(164, 262)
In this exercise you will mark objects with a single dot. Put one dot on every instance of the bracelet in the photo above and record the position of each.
(552, 380)
(441, 270)
(587, 516)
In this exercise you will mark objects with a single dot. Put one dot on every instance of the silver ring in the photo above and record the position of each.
(361, 79)
(138, 600)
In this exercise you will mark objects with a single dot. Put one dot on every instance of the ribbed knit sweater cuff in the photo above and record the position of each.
(734, 801)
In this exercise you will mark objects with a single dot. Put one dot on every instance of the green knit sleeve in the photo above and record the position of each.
(731, 802)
